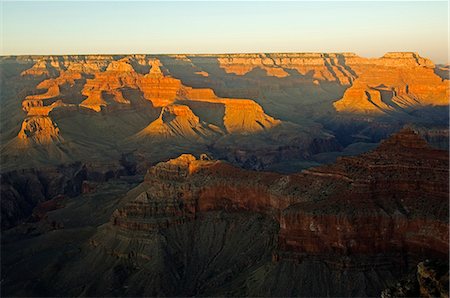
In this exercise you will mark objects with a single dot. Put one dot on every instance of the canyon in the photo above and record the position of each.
(364, 221)
(294, 106)
(269, 174)
(382, 201)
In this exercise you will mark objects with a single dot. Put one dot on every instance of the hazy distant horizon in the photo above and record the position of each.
(211, 54)
(368, 29)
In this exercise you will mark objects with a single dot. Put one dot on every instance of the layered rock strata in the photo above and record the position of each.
(391, 200)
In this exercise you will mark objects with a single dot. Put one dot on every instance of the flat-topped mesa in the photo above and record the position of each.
(246, 116)
(122, 65)
(405, 59)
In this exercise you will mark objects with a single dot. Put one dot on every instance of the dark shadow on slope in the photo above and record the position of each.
(296, 97)
(209, 112)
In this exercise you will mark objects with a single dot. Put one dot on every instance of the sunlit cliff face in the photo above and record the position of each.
(284, 94)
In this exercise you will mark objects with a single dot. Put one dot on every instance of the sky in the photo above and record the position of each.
(369, 29)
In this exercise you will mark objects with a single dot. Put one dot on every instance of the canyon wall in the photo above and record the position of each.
(392, 200)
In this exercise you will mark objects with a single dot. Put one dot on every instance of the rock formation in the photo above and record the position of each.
(396, 81)
(357, 223)
(290, 105)
(387, 201)
(40, 130)
(322, 66)
(176, 121)
(379, 85)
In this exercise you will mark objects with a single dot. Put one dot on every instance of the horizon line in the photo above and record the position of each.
(216, 53)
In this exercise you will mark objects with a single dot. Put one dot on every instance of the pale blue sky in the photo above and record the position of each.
(368, 28)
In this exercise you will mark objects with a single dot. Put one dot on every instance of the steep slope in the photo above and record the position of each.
(177, 121)
(374, 203)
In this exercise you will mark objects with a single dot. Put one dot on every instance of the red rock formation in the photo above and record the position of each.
(51, 65)
(175, 121)
(394, 81)
(327, 67)
(40, 68)
(159, 89)
(37, 104)
(393, 199)
(240, 115)
(118, 74)
(39, 130)
(246, 116)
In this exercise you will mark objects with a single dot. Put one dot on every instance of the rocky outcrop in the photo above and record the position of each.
(387, 186)
(40, 130)
(176, 121)
(389, 201)
(239, 115)
(394, 82)
(40, 68)
(52, 65)
(433, 279)
(328, 67)
(244, 99)
(117, 75)
(53, 91)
